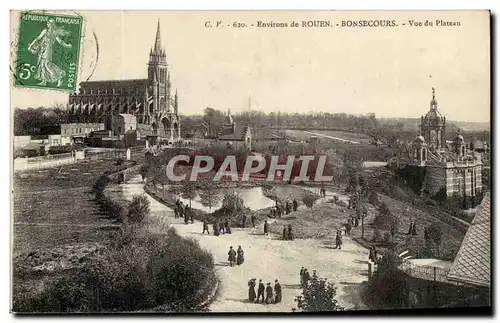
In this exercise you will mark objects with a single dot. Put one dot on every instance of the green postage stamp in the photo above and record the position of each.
(48, 51)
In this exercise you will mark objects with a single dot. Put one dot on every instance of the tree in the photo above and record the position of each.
(138, 208)
(434, 234)
(188, 190)
(232, 204)
(308, 199)
(318, 296)
(209, 194)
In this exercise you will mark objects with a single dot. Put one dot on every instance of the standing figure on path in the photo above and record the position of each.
(244, 221)
(277, 291)
(348, 229)
(414, 230)
(302, 270)
(226, 225)
(205, 227)
(307, 277)
(410, 229)
(232, 256)
(285, 235)
(269, 294)
(192, 216)
(338, 240)
(222, 228)
(240, 259)
(251, 290)
(176, 211)
(295, 205)
(216, 229)
(288, 207)
(260, 291)
(252, 217)
(289, 233)
(356, 222)
(266, 227)
(186, 218)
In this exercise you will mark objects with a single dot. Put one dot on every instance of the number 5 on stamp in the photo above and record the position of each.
(48, 51)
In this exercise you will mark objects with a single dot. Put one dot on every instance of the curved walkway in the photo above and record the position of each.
(268, 258)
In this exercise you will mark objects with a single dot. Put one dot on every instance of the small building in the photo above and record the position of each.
(233, 135)
(121, 123)
(80, 129)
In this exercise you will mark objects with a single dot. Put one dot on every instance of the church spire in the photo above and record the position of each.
(158, 47)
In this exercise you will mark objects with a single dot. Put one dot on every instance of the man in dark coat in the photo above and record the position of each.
(348, 228)
(252, 217)
(266, 227)
(205, 227)
(338, 240)
(277, 291)
(410, 229)
(251, 290)
(285, 235)
(269, 294)
(186, 218)
(290, 233)
(216, 229)
(307, 277)
(295, 205)
(244, 221)
(260, 291)
(191, 215)
(227, 227)
(222, 228)
(176, 211)
(231, 256)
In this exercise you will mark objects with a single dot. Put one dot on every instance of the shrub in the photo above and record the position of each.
(308, 199)
(138, 208)
(318, 296)
(232, 204)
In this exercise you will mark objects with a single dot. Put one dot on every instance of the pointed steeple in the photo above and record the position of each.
(158, 47)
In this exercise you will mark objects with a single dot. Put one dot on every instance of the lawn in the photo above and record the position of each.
(55, 206)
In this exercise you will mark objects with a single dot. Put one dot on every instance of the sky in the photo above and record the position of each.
(386, 71)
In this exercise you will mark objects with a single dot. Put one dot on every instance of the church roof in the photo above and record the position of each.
(472, 264)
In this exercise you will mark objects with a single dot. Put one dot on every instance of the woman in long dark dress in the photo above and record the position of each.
(251, 290)
(240, 259)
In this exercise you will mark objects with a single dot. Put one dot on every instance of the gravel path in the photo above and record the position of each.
(268, 258)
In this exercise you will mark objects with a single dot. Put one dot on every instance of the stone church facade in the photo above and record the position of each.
(150, 100)
(451, 169)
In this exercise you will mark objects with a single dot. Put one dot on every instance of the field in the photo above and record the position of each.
(55, 206)
(342, 135)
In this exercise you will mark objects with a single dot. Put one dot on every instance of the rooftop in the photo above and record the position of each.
(472, 264)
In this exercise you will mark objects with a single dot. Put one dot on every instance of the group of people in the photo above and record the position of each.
(270, 297)
(352, 222)
(287, 232)
(235, 257)
(218, 228)
(412, 230)
(281, 209)
(305, 277)
(244, 221)
(322, 192)
(185, 212)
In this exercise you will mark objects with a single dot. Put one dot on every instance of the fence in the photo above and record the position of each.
(429, 273)
(24, 164)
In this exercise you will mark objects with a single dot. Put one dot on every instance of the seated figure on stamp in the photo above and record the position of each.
(46, 69)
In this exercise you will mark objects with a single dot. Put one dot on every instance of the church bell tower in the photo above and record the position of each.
(158, 75)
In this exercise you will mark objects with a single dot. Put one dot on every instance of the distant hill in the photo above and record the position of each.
(411, 124)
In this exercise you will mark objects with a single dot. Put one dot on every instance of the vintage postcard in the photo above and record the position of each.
(250, 161)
